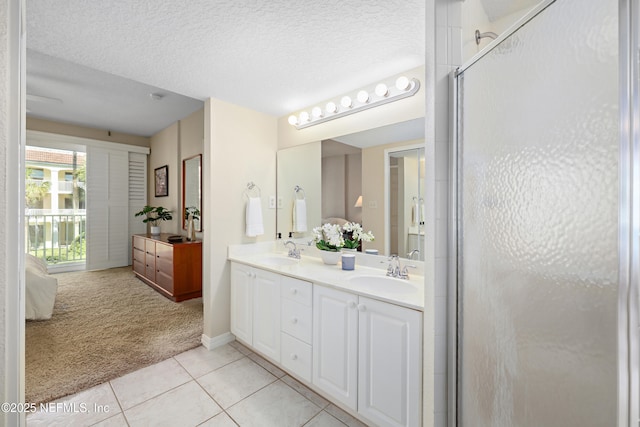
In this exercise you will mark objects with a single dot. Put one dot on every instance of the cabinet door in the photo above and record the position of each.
(389, 363)
(335, 344)
(266, 313)
(150, 260)
(241, 302)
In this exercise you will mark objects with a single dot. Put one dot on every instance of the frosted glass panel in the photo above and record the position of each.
(538, 204)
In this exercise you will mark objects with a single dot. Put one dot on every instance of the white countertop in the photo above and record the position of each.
(311, 268)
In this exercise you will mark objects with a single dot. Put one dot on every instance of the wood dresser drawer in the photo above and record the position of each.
(173, 269)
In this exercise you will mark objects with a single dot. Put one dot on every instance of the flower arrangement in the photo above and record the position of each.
(332, 237)
(354, 234)
(193, 211)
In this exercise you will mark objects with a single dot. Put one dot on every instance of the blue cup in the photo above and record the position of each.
(348, 261)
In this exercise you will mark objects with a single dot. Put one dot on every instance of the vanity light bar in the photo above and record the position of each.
(382, 94)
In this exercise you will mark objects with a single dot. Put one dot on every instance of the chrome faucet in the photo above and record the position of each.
(393, 270)
(293, 252)
(396, 270)
(413, 252)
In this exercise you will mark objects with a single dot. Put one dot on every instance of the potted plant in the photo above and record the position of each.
(354, 234)
(155, 214)
(331, 238)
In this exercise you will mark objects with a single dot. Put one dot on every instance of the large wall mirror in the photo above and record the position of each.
(345, 179)
(192, 191)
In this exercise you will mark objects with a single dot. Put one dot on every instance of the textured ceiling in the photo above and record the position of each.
(272, 56)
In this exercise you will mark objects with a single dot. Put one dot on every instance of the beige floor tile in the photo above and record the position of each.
(200, 360)
(241, 347)
(220, 420)
(267, 365)
(235, 381)
(343, 416)
(305, 391)
(186, 405)
(117, 421)
(82, 409)
(143, 384)
(276, 405)
(323, 419)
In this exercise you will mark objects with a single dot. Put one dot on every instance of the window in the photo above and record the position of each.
(37, 174)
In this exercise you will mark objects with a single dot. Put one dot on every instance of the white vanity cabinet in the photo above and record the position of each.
(367, 355)
(255, 308)
(296, 307)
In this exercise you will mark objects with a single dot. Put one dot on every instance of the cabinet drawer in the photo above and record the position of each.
(139, 255)
(296, 290)
(296, 356)
(139, 267)
(139, 243)
(164, 252)
(165, 281)
(150, 247)
(296, 320)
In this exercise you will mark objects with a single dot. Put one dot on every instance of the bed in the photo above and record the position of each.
(41, 289)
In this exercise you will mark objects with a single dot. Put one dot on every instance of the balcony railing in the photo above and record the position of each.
(58, 237)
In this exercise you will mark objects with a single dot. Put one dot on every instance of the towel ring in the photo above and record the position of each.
(252, 189)
(297, 190)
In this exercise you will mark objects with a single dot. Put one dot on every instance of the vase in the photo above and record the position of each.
(191, 233)
(155, 230)
(349, 250)
(330, 258)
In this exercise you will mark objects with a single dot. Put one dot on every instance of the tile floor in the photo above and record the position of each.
(228, 386)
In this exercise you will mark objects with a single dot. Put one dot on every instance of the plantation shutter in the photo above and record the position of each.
(137, 194)
(107, 208)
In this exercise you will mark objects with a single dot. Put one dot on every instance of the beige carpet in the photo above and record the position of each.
(105, 324)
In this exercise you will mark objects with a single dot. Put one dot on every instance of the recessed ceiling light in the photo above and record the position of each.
(156, 96)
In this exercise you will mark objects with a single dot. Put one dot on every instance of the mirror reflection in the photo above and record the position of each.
(346, 179)
(192, 191)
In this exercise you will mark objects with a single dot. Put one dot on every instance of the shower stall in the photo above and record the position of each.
(547, 213)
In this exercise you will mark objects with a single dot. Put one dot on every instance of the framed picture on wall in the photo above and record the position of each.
(162, 181)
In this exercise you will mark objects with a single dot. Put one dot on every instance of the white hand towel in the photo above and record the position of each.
(254, 217)
(299, 215)
(415, 213)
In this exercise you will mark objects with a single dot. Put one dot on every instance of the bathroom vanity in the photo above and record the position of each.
(355, 337)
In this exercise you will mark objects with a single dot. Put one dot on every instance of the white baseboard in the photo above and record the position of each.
(214, 342)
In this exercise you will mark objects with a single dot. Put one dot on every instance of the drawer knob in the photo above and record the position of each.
(294, 357)
(362, 307)
(352, 304)
(294, 291)
(294, 320)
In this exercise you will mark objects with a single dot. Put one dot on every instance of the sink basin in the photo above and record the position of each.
(384, 284)
(278, 261)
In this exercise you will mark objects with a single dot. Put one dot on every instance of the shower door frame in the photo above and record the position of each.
(628, 331)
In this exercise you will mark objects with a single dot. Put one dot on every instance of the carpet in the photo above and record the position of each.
(105, 324)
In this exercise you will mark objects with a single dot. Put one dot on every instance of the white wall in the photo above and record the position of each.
(12, 54)
(240, 146)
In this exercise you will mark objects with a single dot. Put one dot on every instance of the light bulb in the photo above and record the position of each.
(316, 112)
(331, 107)
(346, 101)
(363, 96)
(382, 90)
(304, 117)
(402, 83)
(293, 120)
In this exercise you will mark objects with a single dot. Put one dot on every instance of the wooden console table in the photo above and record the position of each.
(173, 269)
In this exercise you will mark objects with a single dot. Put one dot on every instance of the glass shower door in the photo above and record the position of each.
(537, 208)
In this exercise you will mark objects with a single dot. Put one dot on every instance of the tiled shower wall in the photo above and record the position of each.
(448, 51)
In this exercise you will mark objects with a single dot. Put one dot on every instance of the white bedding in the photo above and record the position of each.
(41, 289)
